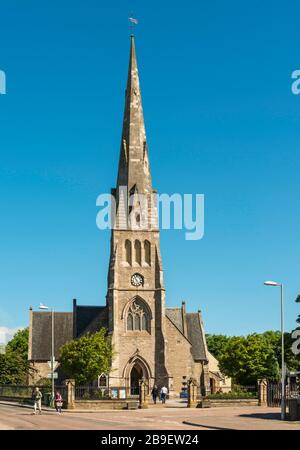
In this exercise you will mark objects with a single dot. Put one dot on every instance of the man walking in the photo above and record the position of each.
(154, 393)
(163, 394)
(37, 400)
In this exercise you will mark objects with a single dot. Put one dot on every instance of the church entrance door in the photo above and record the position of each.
(136, 374)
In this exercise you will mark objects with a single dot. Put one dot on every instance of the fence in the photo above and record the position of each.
(25, 393)
(274, 394)
(101, 393)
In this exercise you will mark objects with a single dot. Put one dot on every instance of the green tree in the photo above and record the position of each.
(14, 365)
(245, 359)
(85, 358)
(14, 369)
(19, 343)
(216, 344)
(274, 339)
(298, 301)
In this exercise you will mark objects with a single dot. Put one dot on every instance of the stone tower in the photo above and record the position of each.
(136, 294)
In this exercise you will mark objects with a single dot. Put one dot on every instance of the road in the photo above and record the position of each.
(154, 418)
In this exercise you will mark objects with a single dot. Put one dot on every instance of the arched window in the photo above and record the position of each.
(130, 322)
(128, 252)
(137, 317)
(102, 380)
(144, 322)
(147, 250)
(138, 252)
(137, 322)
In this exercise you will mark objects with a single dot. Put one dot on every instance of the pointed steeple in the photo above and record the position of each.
(134, 169)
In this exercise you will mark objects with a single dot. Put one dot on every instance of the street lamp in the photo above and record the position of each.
(274, 283)
(44, 307)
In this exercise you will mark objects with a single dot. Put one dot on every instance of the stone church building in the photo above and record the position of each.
(164, 345)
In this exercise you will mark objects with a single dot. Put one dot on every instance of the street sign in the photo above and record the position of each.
(55, 364)
(55, 375)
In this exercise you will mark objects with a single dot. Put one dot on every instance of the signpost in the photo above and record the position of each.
(55, 375)
(52, 362)
(55, 364)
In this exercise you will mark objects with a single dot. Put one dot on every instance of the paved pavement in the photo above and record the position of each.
(154, 418)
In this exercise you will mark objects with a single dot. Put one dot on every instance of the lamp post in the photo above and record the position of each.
(274, 283)
(44, 307)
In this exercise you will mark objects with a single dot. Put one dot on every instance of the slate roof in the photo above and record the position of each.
(175, 315)
(194, 332)
(90, 319)
(196, 336)
(41, 333)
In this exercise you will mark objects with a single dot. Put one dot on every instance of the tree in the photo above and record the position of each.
(274, 338)
(298, 301)
(14, 369)
(246, 359)
(292, 361)
(14, 365)
(19, 343)
(87, 357)
(216, 343)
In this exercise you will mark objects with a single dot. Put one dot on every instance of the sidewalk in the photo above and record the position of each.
(74, 411)
(241, 418)
(169, 404)
(52, 410)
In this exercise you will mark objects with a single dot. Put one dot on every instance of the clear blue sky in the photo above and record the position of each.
(221, 120)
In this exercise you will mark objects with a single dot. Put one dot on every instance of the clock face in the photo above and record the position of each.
(137, 279)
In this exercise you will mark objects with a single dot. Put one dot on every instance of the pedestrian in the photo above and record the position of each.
(163, 394)
(37, 400)
(154, 393)
(58, 402)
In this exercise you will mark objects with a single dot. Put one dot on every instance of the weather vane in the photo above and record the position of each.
(133, 22)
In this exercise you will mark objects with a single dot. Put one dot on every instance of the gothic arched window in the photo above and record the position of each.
(128, 252)
(144, 322)
(147, 250)
(138, 317)
(102, 380)
(138, 253)
(130, 322)
(137, 322)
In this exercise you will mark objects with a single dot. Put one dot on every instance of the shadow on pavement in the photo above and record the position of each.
(263, 416)
(208, 427)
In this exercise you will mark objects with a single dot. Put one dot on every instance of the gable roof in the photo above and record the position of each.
(175, 315)
(196, 335)
(90, 319)
(42, 333)
(194, 332)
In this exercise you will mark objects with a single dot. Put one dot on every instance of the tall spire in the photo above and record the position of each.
(134, 170)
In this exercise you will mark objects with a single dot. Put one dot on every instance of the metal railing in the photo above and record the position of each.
(101, 393)
(274, 393)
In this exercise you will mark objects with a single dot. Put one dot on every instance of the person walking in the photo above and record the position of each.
(163, 394)
(154, 393)
(58, 402)
(37, 400)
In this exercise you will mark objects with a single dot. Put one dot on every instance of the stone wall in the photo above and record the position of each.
(105, 404)
(42, 369)
(180, 361)
(243, 402)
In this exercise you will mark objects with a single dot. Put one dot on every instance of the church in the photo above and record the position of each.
(166, 346)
